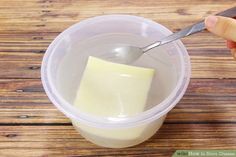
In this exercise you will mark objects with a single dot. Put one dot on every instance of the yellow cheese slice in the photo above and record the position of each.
(112, 90)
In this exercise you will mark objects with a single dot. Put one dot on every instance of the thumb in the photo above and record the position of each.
(222, 26)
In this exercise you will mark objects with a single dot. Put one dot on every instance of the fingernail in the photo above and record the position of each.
(211, 21)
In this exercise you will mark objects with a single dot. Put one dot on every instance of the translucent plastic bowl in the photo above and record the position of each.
(61, 85)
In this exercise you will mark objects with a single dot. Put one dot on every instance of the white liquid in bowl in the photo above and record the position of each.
(73, 63)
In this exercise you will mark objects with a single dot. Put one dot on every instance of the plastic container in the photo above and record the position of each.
(61, 78)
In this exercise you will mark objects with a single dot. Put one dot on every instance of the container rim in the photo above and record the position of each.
(110, 122)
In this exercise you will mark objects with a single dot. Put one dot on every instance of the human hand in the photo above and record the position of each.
(225, 28)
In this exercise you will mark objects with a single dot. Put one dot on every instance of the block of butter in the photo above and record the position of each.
(112, 90)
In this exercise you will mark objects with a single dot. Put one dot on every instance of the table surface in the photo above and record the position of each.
(30, 125)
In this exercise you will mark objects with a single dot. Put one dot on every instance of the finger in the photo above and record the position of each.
(222, 26)
(233, 51)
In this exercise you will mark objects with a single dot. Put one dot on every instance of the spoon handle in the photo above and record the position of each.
(197, 27)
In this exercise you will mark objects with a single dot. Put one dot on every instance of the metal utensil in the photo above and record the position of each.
(128, 54)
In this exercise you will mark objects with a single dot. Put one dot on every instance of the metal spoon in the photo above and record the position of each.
(128, 54)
